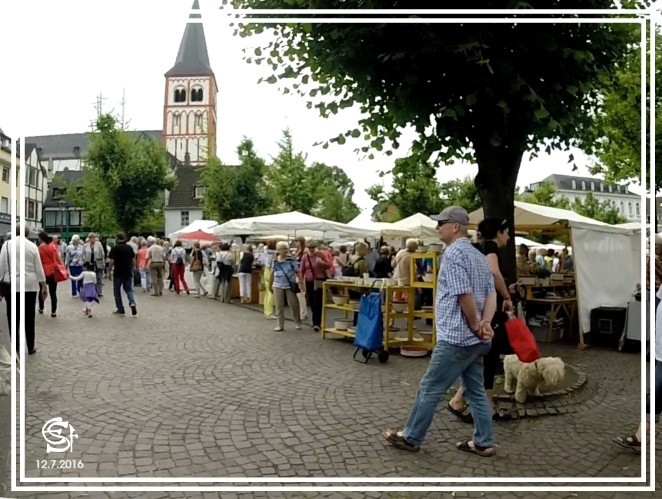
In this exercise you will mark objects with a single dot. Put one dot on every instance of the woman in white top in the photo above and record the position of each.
(88, 292)
(178, 259)
(634, 441)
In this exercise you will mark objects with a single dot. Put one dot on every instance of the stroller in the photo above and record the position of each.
(369, 338)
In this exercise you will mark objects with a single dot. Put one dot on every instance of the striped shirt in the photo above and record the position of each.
(464, 270)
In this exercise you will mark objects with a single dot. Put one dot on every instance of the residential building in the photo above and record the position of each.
(5, 185)
(571, 187)
(60, 215)
(36, 186)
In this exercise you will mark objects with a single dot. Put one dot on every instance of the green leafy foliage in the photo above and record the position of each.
(126, 176)
(603, 211)
(256, 188)
(615, 137)
(545, 195)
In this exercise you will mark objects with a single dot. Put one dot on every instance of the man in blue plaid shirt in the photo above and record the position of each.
(466, 302)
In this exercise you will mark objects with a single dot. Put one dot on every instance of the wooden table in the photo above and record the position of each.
(556, 305)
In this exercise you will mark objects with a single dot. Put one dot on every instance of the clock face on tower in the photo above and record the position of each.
(189, 115)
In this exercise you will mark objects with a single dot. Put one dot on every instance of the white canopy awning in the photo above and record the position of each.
(385, 229)
(419, 225)
(527, 214)
(292, 224)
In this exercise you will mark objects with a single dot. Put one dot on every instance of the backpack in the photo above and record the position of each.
(352, 270)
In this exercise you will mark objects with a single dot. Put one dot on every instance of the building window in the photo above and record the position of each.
(198, 120)
(180, 95)
(5, 175)
(583, 185)
(51, 219)
(199, 192)
(4, 205)
(30, 209)
(177, 120)
(32, 177)
(574, 184)
(638, 210)
(184, 219)
(196, 95)
(622, 207)
(602, 187)
(74, 218)
(592, 186)
(610, 188)
(630, 209)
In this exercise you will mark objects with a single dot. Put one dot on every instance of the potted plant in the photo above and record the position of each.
(542, 274)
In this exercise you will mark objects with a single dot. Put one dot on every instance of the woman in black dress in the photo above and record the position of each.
(493, 237)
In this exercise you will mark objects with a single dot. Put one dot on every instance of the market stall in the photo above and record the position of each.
(607, 263)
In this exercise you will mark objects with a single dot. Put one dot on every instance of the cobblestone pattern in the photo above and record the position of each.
(196, 388)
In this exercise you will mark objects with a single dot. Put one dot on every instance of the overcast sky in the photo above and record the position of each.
(63, 53)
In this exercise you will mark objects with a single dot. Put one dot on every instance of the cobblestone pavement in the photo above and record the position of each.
(195, 388)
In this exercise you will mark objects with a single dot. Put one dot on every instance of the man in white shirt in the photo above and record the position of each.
(34, 281)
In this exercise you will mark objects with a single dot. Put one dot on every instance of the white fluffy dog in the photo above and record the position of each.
(526, 378)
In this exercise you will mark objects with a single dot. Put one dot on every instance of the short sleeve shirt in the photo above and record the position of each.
(285, 273)
(464, 270)
(123, 256)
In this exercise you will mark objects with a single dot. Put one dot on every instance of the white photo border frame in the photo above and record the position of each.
(646, 19)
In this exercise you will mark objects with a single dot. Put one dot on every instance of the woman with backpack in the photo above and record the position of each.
(178, 260)
(314, 267)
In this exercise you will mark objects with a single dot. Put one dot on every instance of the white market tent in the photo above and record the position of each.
(527, 215)
(384, 229)
(607, 258)
(292, 223)
(419, 226)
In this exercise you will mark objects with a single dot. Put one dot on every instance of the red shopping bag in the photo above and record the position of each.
(61, 273)
(521, 340)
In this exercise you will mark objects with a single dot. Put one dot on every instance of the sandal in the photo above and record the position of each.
(395, 438)
(630, 442)
(461, 415)
(470, 446)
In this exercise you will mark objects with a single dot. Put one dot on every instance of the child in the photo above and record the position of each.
(89, 291)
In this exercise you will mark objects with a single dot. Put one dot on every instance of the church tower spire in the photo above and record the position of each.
(189, 112)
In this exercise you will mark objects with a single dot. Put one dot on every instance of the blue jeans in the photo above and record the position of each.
(657, 394)
(75, 271)
(448, 363)
(127, 284)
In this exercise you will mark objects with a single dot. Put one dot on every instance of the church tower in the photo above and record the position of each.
(189, 112)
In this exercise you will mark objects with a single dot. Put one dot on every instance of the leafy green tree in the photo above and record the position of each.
(289, 186)
(220, 183)
(251, 197)
(335, 191)
(485, 93)
(545, 195)
(126, 176)
(615, 138)
(461, 192)
(603, 211)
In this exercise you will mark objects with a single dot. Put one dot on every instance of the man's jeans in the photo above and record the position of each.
(127, 284)
(448, 363)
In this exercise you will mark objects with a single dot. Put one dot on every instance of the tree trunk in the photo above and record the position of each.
(498, 168)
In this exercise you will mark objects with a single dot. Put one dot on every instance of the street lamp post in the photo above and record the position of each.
(62, 202)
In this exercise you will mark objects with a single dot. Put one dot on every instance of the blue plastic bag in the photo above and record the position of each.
(370, 325)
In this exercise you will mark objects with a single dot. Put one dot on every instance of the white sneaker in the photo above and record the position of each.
(279, 329)
(272, 318)
(297, 327)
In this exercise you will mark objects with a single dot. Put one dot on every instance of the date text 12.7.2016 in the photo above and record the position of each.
(60, 464)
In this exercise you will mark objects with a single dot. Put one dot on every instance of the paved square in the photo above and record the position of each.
(195, 388)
